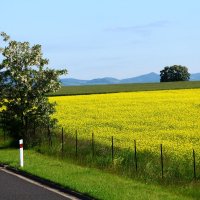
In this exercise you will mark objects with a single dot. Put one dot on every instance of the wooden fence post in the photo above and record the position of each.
(49, 136)
(112, 148)
(93, 144)
(161, 159)
(135, 155)
(194, 164)
(3, 126)
(62, 138)
(34, 128)
(76, 144)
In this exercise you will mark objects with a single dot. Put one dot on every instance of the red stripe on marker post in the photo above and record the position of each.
(21, 156)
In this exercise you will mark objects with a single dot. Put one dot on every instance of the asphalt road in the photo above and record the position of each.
(14, 188)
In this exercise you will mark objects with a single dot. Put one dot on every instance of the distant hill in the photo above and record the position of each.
(73, 81)
(106, 80)
(146, 78)
(195, 77)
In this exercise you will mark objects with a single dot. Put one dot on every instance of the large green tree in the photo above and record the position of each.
(24, 82)
(174, 73)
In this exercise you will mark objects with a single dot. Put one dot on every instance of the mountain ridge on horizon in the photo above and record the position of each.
(145, 78)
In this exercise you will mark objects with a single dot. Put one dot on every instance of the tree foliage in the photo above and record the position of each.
(174, 73)
(24, 82)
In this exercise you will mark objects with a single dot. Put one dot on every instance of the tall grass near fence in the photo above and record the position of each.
(132, 161)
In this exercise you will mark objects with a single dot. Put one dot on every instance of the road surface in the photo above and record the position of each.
(14, 187)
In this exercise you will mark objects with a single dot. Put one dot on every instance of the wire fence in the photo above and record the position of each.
(132, 161)
(105, 153)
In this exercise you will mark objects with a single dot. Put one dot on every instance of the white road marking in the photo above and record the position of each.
(39, 184)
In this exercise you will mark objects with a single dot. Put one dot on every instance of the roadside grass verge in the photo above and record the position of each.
(115, 88)
(96, 183)
(123, 163)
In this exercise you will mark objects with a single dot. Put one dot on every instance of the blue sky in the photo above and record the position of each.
(108, 38)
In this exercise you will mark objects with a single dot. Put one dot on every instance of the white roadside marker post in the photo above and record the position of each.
(21, 153)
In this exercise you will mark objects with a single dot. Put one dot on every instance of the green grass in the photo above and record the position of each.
(94, 182)
(148, 164)
(101, 89)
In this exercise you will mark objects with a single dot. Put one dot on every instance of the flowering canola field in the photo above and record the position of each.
(170, 117)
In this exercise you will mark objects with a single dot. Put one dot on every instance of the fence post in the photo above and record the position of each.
(3, 126)
(135, 155)
(194, 164)
(76, 144)
(34, 128)
(4, 134)
(161, 159)
(92, 144)
(112, 147)
(26, 129)
(62, 149)
(49, 136)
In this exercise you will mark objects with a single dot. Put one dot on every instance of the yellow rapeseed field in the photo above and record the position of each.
(170, 117)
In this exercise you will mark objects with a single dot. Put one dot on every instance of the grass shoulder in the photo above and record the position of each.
(93, 182)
